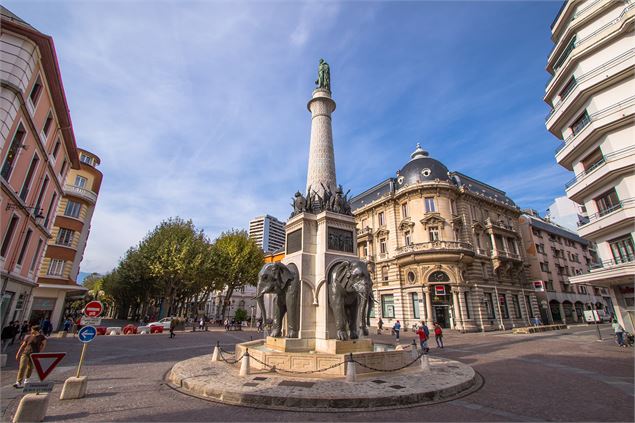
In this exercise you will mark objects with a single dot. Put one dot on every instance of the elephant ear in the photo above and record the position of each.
(343, 272)
(284, 275)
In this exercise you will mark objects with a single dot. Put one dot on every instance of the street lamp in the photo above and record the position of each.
(252, 314)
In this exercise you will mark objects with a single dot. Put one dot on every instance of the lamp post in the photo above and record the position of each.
(252, 315)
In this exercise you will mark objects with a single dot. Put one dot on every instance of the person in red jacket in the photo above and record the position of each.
(424, 334)
(438, 334)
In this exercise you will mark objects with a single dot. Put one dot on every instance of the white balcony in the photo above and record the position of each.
(622, 214)
(598, 122)
(608, 273)
(612, 164)
(80, 192)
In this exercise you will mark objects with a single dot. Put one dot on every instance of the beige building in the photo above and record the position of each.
(555, 254)
(443, 247)
(57, 278)
(591, 93)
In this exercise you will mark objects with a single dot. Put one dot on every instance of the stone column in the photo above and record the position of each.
(321, 168)
(564, 318)
(426, 292)
(458, 313)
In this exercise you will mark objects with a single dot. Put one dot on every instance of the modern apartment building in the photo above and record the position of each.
(567, 213)
(37, 150)
(443, 247)
(57, 279)
(555, 254)
(591, 93)
(268, 232)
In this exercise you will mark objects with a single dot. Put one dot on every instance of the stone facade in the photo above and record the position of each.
(443, 247)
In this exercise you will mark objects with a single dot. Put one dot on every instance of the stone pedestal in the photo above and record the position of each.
(335, 346)
(74, 388)
(32, 408)
(290, 344)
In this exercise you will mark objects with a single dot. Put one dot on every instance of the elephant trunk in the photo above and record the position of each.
(260, 300)
(362, 314)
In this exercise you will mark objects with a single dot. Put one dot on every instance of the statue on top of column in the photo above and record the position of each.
(324, 75)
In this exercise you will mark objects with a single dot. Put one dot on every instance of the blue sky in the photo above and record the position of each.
(198, 109)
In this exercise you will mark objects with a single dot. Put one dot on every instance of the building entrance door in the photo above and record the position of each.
(442, 316)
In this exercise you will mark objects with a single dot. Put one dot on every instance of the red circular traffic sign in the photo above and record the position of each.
(93, 309)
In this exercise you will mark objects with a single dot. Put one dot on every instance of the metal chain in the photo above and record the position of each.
(229, 361)
(390, 370)
(226, 352)
(275, 369)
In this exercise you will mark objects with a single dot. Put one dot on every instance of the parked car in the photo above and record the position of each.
(129, 329)
(101, 330)
(164, 323)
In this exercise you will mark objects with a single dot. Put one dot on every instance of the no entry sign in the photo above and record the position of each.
(93, 309)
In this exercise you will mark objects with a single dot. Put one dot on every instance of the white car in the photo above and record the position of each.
(165, 322)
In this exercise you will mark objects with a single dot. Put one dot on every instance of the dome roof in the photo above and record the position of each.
(421, 168)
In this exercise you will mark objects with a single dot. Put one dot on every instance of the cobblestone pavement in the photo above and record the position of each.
(564, 376)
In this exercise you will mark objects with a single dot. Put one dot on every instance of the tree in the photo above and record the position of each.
(239, 260)
(240, 315)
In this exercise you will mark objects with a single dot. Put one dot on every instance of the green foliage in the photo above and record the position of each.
(177, 263)
(240, 315)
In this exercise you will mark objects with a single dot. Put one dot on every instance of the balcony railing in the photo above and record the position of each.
(505, 254)
(72, 189)
(573, 44)
(435, 245)
(499, 224)
(613, 262)
(605, 159)
(564, 96)
(593, 117)
(483, 252)
(600, 214)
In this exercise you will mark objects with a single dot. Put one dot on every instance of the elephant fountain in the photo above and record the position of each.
(284, 282)
(350, 293)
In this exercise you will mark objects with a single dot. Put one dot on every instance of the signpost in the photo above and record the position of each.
(85, 335)
(90, 321)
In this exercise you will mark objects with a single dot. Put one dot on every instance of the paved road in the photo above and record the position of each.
(564, 376)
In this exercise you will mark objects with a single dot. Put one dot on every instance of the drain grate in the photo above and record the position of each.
(296, 383)
(397, 387)
(250, 384)
(260, 378)
(378, 381)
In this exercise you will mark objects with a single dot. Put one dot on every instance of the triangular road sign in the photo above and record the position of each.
(50, 360)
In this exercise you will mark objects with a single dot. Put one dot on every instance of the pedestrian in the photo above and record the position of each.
(619, 333)
(423, 337)
(396, 328)
(33, 343)
(380, 326)
(172, 327)
(201, 323)
(67, 325)
(438, 334)
(227, 324)
(24, 330)
(8, 332)
(47, 327)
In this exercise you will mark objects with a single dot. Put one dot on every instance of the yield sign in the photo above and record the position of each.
(44, 363)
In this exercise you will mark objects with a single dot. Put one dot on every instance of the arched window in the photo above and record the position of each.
(438, 276)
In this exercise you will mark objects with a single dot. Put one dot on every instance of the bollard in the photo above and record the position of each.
(425, 363)
(244, 365)
(215, 354)
(351, 371)
(32, 408)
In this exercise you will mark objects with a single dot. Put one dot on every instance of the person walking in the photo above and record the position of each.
(8, 333)
(67, 325)
(423, 333)
(33, 343)
(201, 323)
(396, 328)
(438, 334)
(172, 327)
(619, 333)
(380, 326)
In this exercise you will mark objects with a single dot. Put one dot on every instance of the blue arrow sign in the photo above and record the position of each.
(87, 334)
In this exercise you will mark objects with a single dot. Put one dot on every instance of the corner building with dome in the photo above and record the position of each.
(443, 247)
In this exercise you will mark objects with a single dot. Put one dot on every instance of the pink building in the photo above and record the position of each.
(37, 149)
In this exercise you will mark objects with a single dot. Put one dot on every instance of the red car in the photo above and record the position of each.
(156, 329)
(101, 330)
(129, 329)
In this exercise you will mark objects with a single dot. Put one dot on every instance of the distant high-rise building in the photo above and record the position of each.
(268, 232)
(567, 213)
(592, 109)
